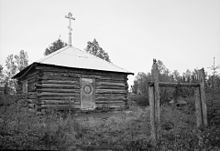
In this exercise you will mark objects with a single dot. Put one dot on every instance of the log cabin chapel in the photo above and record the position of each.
(72, 78)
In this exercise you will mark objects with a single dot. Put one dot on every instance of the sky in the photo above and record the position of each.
(183, 34)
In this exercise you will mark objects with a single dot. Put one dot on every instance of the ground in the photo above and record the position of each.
(113, 130)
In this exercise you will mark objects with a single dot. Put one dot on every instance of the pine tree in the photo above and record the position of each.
(94, 48)
(56, 45)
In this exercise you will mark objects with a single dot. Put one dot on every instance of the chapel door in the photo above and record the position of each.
(87, 94)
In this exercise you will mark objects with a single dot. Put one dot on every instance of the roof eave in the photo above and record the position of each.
(24, 71)
(83, 68)
(28, 68)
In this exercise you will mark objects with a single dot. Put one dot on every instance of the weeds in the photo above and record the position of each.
(121, 130)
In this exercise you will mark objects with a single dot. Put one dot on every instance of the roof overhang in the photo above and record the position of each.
(26, 70)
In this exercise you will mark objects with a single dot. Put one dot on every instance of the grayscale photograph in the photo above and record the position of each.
(110, 75)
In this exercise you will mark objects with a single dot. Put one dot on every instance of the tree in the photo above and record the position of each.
(161, 67)
(140, 83)
(176, 75)
(10, 70)
(56, 45)
(14, 64)
(11, 67)
(164, 72)
(21, 60)
(94, 48)
(187, 75)
(1, 74)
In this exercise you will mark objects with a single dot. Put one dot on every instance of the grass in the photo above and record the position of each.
(115, 130)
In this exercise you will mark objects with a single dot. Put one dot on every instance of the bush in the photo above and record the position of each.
(6, 100)
(122, 130)
(140, 100)
(22, 129)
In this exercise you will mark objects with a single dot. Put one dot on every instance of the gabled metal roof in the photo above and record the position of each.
(72, 57)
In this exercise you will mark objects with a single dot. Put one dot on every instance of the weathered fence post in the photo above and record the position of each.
(202, 96)
(154, 97)
(198, 107)
(200, 101)
(152, 112)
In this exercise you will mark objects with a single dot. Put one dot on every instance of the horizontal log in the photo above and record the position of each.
(79, 71)
(76, 97)
(57, 78)
(32, 97)
(173, 84)
(32, 93)
(33, 80)
(56, 94)
(111, 98)
(30, 75)
(110, 102)
(111, 84)
(115, 106)
(110, 91)
(60, 106)
(110, 77)
(59, 102)
(58, 86)
(111, 87)
(109, 95)
(77, 100)
(30, 80)
(57, 74)
(59, 90)
(60, 81)
(111, 80)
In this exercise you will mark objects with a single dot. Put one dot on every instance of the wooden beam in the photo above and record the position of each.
(59, 90)
(203, 97)
(57, 94)
(109, 91)
(152, 112)
(122, 84)
(175, 84)
(155, 73)
(58, 86)
(198, 108)
(63, 81)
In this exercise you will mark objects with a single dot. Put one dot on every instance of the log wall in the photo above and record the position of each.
(31, 95)
(59, 88)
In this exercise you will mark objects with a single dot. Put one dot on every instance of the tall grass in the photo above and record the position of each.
(121, 130)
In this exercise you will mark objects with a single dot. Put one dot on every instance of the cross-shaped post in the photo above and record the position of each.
(70, 17)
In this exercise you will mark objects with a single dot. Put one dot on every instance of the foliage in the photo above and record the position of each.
(140, 100)
(1, 75)
(179, 132)
(140, 83)
(128, 130)
(21, 60)
(56, 45)
(213, 81)
(1, 68)
(94, 48)
(13, 64)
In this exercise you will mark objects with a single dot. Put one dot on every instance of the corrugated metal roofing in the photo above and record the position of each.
(73, 57)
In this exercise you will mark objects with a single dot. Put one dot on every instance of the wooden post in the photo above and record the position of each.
(203, 97)
(155, 74)
(152, 112)
(198, 107)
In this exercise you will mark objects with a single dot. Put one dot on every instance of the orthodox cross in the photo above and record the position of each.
(70, 17)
